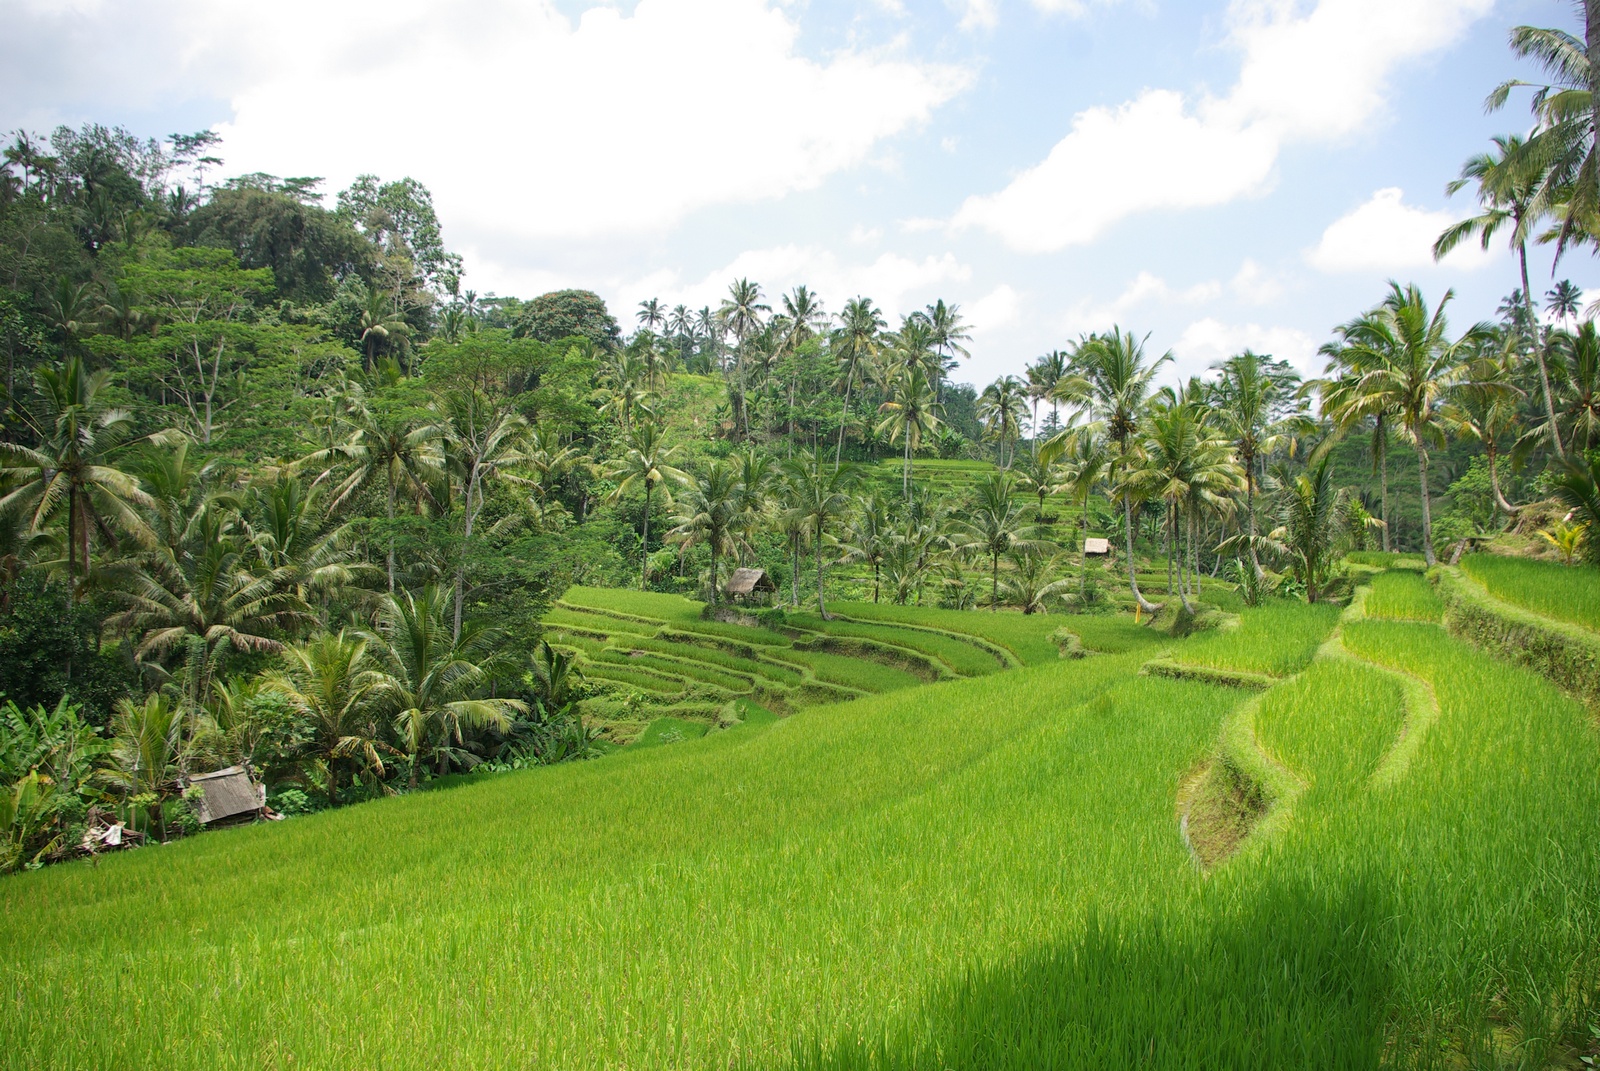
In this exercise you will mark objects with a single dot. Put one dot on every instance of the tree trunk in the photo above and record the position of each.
(644, 547)
(1380, 441)
(1171, 533)
(994, 581)
(391, 533)
(1427, 509)
(1250, 515)
(822, 610)
(844, 419)
(1494, 479)
(1527, 294)
(794, 570)
(876, 564)
(1133, 580)
(907, 473)
(713, 570)
(461, 564)
(333, 784)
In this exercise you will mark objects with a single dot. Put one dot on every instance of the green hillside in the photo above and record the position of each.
(986, 872)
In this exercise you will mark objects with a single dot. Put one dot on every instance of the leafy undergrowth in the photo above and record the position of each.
(976, 873)
(1565, 592)
(1404, 596)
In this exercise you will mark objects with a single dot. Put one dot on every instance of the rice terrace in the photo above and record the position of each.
(401, 674)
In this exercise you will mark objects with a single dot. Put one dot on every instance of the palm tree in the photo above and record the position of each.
(1112, 384)
(947, 331)
(430, 681)
(1311, 515)
(1084, 469)
(331, 684)
(1336, 388)
(1001, 407)
(1185, 464)
(380, 325)
(1507, 191)
(70, 311)
(1035, 579)
(652, 314)
(1562, 301)
(816, 497)
(708, 512)
(72, 468)
(993, 525)
(1485, 409)
(911, 413)
(1040, 473)
(1407, 366)
(855, 345)
(741, 313)
(403, 451)
(1578, 485)
(1578, 392)
(290, 529)
(1256, 408)
(868, 536)
(483, 441)
(648, 461)
(147, 742)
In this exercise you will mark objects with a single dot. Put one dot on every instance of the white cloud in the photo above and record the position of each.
(1384, 234)
(525, 124)
(898, 284)
(1143, 291)
(998, 308)
(1314, 76)
(979, 14)
(1205, 342)
(860, 235)
(1253, 286)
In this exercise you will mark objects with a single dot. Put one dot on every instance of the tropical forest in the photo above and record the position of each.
(397, 674)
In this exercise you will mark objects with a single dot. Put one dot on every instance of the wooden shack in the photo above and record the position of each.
(751, 585)
(228, 794)
(1096, 547)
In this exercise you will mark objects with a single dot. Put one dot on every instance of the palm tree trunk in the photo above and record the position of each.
(794, 570)
(844, 418)
(1133, 580)
(876, 565)
(1533, 316)
(1250, 516)
(1427, 509)
(1380, 442)
(644, 546)
(1171, 533)
(822, 610)
(333, 784)
(907, 474)
(994, 581)
(390, 481)
(1494, 479)
(461, 564)
(1083, 550)
(713, 572)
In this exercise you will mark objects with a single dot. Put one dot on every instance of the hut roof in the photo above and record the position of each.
(1096, 545)
(748, 581)
(226, 793)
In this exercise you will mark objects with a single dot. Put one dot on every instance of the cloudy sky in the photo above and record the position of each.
(1220, 175)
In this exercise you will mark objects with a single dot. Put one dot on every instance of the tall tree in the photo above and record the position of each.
(817, 497)
(1256, 407)
(855, 343)
(330, 682)
(647, 462)
(911, 414)
(1001, 407)
(708, 513)
(741, 313)
(994, 525)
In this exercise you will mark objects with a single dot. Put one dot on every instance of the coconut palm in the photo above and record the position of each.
(1508, 186)
(816, 497)
(741, 313)
(1485, 409)
(1311, 523)
(1111, 383)
(1563, 300)
(652, 314)
(911, 414)
(1578, 486)
(147, 744)
(647, 462)
(483, 440)
(330, 682)
(381, 327)
(1407, 365)
(405, 453)
(1255, 406)
(1035, 579)
(290, 529)
(1578, 390)
(868, 536)
(855, 344)
(947, 331)
(72, 469)
(708, 513)
(994, 525)
(1040, 473)
(1186, 466)
(1001, 407)
(432, 681)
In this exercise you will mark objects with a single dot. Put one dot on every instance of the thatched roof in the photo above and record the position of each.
(1094, 545)
(749, 581)
(226, 793)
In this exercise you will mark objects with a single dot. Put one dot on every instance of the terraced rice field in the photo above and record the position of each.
(1568, 593)
(983, 872)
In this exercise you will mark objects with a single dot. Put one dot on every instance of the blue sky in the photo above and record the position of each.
(1218, 175)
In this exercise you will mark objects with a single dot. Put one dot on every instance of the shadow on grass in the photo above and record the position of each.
(1300, 978)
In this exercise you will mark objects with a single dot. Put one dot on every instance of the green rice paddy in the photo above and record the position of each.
(1565, 592)
(977, 873)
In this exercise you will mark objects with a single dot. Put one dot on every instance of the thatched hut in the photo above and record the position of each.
(751, 585)
(228, 794)
(1096, 547)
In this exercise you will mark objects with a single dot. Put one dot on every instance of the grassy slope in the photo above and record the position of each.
(978, 873)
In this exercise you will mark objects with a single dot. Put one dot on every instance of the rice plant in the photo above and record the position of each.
(1566, 593)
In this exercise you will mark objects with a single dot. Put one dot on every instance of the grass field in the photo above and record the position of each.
(1403, 595)
(980, 873)
(1564, 592)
